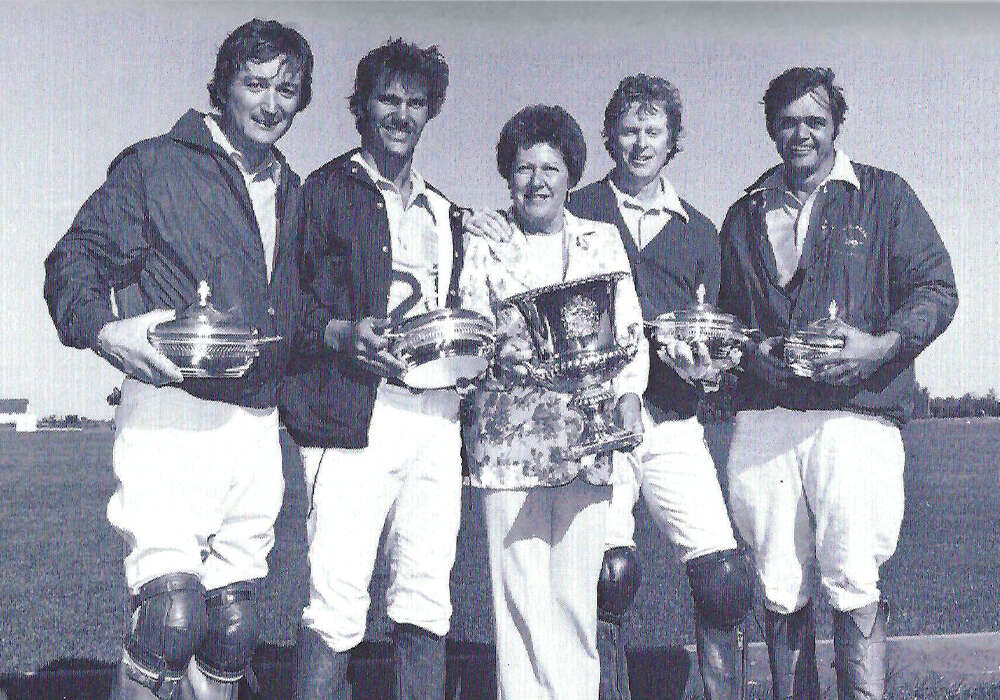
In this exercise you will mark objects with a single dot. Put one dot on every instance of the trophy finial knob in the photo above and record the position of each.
(700, 294)
(204, 291)
(833, 309)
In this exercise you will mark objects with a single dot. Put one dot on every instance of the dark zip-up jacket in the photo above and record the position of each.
(667, 272)
(345, 265)
(876, 252)
(173, 211)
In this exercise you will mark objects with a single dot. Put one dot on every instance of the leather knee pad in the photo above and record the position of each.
(168, 625)
(234, 629)
(621, 574)
(722, 587)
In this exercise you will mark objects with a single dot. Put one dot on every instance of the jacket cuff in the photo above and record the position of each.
(88, 322)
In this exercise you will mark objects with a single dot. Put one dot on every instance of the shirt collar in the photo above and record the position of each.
(842, 170)
(666, 198)
(270, 168)
(418, 186)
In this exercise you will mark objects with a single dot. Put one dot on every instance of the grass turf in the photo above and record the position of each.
(62, 596)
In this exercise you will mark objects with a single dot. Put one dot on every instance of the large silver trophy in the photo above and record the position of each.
(576, 352)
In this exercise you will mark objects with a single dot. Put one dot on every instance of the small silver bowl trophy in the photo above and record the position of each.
(207, 343)
(572, 329)
(443, 348)
(721, 333)
(802, 348)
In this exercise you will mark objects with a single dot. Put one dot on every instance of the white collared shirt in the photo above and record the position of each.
(262, 186)
(787, 219)
(645, 221)
(416, 248)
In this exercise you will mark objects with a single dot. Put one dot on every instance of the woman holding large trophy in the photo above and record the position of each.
(541, 425)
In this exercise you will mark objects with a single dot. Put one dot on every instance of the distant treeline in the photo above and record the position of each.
(718, 407)
(967, 405)
(72, 421)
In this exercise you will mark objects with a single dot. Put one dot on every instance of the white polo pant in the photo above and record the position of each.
(408, 479)
(546, 546)
(199, 486)
(823, 487)
(678, 480)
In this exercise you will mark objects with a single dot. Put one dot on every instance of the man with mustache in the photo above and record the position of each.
(378, 245)
(673, 249)
(816, 460)
(197, 461)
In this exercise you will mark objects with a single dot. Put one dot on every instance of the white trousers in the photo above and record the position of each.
(408, 479)
(823, 487)
(681, 488)
(546, 546)
(199, 486)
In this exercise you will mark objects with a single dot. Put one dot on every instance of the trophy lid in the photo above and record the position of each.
(819, 333)
(704, 314)
(202, 321)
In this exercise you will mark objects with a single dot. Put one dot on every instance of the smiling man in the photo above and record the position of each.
(816, 463)
(197, 461)
(379, 245)
(673, 249)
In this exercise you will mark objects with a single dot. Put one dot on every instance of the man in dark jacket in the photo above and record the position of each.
(209, 206)
(378, 245)
(816, 462)
(673, 250)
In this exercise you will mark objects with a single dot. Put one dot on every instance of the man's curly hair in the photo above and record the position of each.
(796, 82)
(260, 41)
(649, 91)
(402, 59)
(547, 124)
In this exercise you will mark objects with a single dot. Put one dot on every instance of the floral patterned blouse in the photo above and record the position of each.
(514, 436)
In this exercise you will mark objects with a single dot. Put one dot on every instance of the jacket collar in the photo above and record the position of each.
(667, 198)
(773, 178)
(190, 129)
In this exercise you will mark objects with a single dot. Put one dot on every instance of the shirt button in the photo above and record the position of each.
(379, 205)
(385, 249)
(270, 311)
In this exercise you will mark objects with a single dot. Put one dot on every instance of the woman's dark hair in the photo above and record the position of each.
(260, 41)
(799, 81)
(536, 124)
(398, 58)
(648, 91)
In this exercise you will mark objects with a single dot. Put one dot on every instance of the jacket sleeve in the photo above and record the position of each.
(922, 292)
(322, 269)
(628, 318)
(710, 264)
(103, 249)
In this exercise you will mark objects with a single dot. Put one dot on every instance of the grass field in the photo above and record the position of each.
(62, 594)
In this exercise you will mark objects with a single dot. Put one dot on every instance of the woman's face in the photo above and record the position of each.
(538, 187)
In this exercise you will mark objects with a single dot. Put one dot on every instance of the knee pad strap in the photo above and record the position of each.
(168, 624)
(233, 631)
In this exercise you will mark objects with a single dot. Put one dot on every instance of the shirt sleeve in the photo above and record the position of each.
(923, 296)
(103, 249)
(473, 284)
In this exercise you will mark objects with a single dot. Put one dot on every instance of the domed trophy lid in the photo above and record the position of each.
(202, 321)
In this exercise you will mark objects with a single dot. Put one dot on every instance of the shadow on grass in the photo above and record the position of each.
(654, 674)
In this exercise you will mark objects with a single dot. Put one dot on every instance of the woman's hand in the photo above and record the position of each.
(628, 413)
(514, 360)
(691, 361)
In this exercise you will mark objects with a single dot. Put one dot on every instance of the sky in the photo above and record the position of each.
(82, 81)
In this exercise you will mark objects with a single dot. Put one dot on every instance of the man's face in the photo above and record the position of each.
(395, 116)
(804, 134)
(262, 102)
(642, 143)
